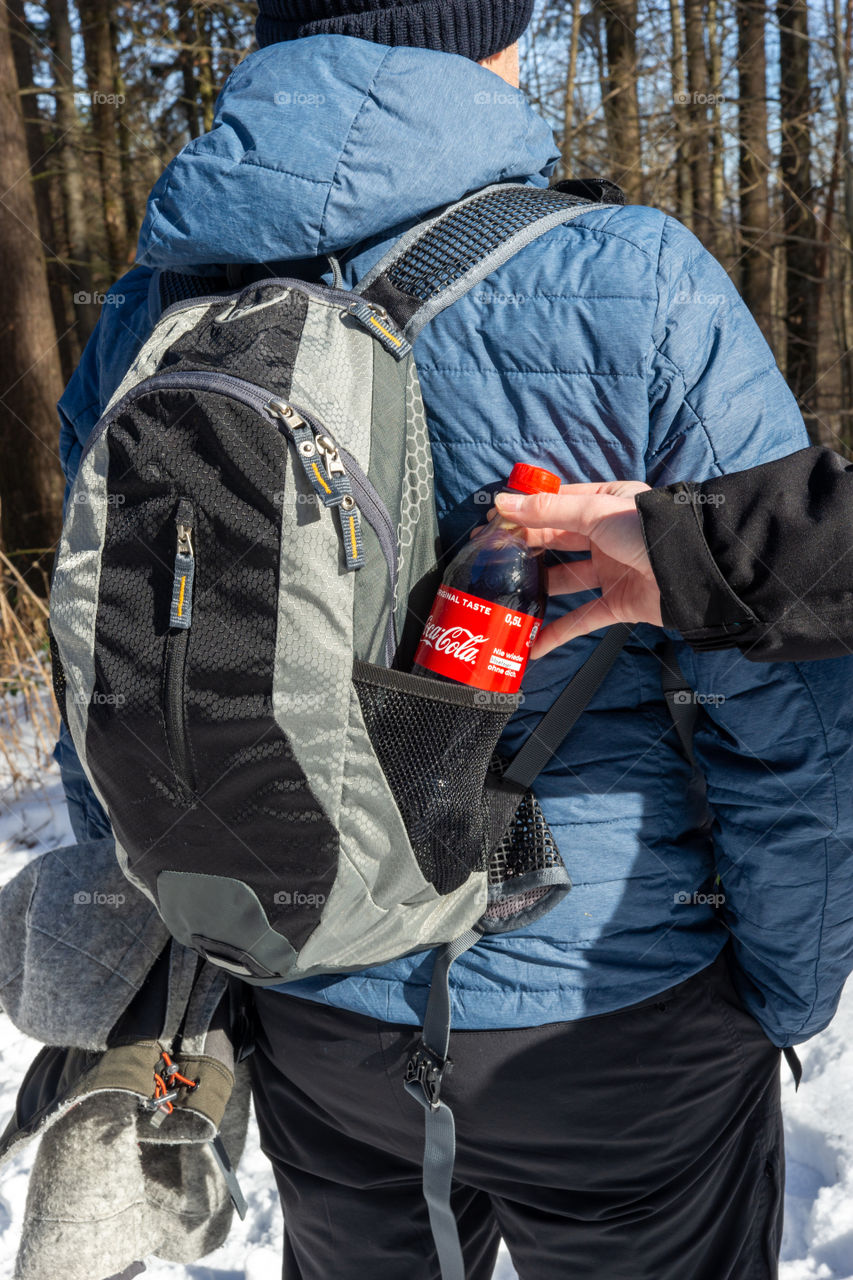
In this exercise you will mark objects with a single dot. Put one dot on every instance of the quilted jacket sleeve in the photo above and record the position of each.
(774, 740)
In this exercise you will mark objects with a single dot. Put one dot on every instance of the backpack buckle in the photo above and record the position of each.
(425, 1072)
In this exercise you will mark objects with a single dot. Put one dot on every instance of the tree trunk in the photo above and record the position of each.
(186, 64)
(204, 53)
(102, 78)
(802, 266)
(73, 193)
(683, 189)
(841, 48)
(622, 107)
(45, 187)
(698, 91)
(756, 247)
(126, 160)
(571, 76)
(715, 73)
(30, 376)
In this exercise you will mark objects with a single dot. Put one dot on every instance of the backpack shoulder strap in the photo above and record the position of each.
(169, 286)
(551, 731)
(444, 256)
(680, 699)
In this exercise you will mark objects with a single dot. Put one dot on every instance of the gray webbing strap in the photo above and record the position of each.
(549, 734)
(220, 1155)
(429, 1062)
(424, 1074)
(680, 699)
(443, 257)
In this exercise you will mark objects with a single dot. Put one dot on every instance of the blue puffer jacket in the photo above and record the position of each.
(612, 347)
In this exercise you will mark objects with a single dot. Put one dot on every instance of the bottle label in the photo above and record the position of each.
(476, 642)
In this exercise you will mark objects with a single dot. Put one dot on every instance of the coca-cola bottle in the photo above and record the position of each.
(487, 611)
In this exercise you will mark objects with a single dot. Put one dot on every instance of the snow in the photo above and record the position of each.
(818, 1240)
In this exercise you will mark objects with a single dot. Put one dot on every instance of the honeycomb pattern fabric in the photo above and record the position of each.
(255, 337)
(364, 923)
(75, 586)
(417, 497)
(313, 658)
(333, 375)
(251, 814)
(151, 352)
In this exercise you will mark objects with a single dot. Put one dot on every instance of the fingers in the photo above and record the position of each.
(563, 579)
(615, 488)
(578, 622)
(574, 514)
(550, 539)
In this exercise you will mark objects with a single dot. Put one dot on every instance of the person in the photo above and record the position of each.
(759, 560)
(616, 1080)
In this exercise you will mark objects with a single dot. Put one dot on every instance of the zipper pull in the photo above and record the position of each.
(331, 458)
(350, 518)
(306, 449)
(343, 499)
(375, 320)
(180, 613)
(330, 482)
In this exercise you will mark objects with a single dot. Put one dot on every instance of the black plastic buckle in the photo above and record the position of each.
(425, 1070)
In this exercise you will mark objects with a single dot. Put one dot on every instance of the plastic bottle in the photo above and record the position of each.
(487, 611)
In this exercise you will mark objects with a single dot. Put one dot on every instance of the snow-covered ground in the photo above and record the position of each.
(818, 1243)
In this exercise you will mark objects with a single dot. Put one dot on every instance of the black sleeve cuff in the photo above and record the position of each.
(695, 597)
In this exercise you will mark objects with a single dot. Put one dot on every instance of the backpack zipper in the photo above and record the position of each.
(332, 484)
(366, 497)
(177, 639)
(325, 293)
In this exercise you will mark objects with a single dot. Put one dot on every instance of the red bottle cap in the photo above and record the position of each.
(527, 479)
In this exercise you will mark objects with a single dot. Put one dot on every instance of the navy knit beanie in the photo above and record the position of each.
(474, 28)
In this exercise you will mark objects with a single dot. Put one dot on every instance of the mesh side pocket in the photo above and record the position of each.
(527, 875)
(434, 742)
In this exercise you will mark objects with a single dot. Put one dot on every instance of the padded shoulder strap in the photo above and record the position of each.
(443, 257)
(180, 286)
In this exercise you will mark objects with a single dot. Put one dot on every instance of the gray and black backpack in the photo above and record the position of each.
(249, 552)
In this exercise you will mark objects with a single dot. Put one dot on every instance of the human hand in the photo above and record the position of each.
(600, 518)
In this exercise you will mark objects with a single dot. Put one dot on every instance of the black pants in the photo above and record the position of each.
(644, 1144)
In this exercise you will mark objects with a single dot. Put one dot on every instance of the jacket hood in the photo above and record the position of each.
(321, 143)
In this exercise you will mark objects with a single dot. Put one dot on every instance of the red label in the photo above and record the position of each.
(476, 642)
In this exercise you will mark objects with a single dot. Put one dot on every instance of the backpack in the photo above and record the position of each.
(249, 552)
